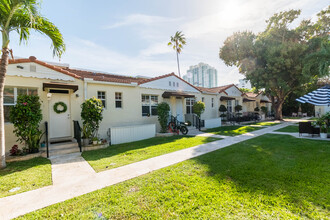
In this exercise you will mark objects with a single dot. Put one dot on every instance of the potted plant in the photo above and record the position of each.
(322, 122)
(87, 132)
(323, 131)
(95, 140)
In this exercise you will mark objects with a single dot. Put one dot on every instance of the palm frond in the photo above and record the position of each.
(46, 27)
(26, 17)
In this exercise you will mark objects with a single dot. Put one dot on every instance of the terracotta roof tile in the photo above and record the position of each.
(252, 94)
(104, 77)
(34, 60)
(218, 89)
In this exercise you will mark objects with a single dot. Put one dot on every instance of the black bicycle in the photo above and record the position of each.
(176, 126)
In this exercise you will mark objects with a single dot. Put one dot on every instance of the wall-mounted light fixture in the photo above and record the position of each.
(77, 95)
(49, 96)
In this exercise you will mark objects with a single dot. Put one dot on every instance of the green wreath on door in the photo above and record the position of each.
(61, 110)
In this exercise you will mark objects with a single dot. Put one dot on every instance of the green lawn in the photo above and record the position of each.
(28, 175)
(123, 154)
(290, 128)
(264, 123)
(232, 130)
(268, 177)
(292, 117)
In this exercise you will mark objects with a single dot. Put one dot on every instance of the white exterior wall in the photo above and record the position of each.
(127, 134)
(212, 123)
(171, 83)
(210, 112)
(23, 78)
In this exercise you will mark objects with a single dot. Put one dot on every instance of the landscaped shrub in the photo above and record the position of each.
(264, 109)
(163, 110)
(199, 108)
(256, 109)
(91, 114)
(238, 108)
(222, 110)
(14, 151)
(26, 117)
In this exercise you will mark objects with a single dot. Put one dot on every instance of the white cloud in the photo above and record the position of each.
(156, 49)
(205, 33)
(140, 19)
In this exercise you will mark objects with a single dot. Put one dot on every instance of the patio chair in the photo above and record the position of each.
(304, 114)
(307, 128)
(294, 114)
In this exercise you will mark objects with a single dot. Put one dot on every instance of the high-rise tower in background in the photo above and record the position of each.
(202, 75)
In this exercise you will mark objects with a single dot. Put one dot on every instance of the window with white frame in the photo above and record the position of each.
(212, 102)
(169, 83)
(189, 105)
(236, 102)
(229, 106)
(203, 99)
(118, 100)
(102, 97)
(10, 97)
(149, 105)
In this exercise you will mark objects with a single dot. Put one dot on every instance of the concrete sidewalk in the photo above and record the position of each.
(73, 176)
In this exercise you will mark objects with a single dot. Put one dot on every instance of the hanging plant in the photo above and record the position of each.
(63, 108)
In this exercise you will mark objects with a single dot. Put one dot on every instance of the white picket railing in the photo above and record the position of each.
(131, 133)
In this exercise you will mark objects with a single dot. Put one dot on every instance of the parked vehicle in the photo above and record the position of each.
(176, 126)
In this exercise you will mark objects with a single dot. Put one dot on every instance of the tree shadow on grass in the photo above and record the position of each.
(233, 130)
(276, 166)
(18, 166)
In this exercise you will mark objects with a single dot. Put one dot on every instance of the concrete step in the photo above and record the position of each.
(63, 148)
(64, 145)
(64, 151)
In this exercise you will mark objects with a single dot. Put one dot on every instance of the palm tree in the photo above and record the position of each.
(21, 16)
(177, 41)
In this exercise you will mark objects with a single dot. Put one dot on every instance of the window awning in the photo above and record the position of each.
(248, 100)
(177, 94)
(224, 98)
(59, 86)
(265, 101)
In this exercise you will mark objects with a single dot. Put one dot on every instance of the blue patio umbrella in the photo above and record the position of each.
(320, 97)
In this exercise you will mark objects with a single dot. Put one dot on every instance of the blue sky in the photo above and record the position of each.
(130, 37)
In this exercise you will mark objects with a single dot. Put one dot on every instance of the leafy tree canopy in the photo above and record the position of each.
(281, 59)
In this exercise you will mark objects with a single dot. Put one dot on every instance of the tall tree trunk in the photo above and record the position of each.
(177, 59)
(278, 110)
(3, 71)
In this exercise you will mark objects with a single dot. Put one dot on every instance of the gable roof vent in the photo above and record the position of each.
(33, 68)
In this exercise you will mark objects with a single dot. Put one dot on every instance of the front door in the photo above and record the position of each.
(179, 109)
(60, 123)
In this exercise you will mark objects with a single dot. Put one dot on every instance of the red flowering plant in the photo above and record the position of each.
(26, 117)
(14, 151)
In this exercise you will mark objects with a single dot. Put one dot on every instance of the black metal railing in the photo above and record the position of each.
(47, 140)
(77, 133)
(197, 122)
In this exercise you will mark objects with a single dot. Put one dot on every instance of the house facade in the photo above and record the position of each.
(127, 100)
